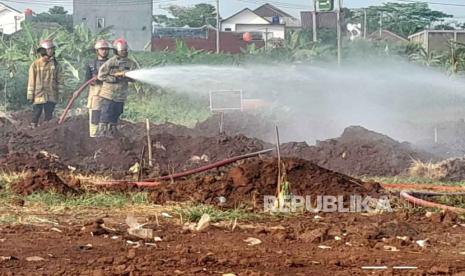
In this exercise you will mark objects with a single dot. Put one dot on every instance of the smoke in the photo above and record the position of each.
(317, 102)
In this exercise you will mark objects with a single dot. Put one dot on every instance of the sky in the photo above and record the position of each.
(229, 7)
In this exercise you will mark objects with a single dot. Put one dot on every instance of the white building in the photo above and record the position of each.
(10, 19)
(248, 21)
(131, 20)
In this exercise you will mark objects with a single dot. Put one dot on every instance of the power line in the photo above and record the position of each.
(434, 3)
(277, 4)
(66, 3)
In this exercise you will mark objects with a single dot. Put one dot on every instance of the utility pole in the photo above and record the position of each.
(339, 33)
(381, 24)
(218, 26)
(314, 19)
(365, 23)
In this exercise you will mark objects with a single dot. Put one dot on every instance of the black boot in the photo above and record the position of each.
(112, 130)
(102, 130)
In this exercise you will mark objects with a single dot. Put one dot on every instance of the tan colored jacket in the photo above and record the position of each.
(115, 88)
(45, 82)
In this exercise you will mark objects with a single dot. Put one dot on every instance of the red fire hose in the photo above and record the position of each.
(211, 166)
(406, 195)
(76, 94)
(153, 182)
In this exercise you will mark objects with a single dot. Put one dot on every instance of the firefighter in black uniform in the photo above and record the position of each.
(94, 101)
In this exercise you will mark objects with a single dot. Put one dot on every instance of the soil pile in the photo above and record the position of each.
(450, 139)
(18, 161)
(248, 183)
(43, 181)
(360, 152)
(7, 129)
(70, 142)
(238, 123)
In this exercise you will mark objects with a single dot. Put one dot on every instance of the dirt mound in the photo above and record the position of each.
(360, 152)
(249, 182)
(238, 123)
(43, 180)
(7, 129)
(70, 142)
(24, 161)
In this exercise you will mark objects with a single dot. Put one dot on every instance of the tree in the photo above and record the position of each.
(57, 10)
(56, 14)
(401, 18)
(196, 16)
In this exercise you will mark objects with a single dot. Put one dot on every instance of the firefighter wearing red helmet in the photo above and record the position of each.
(45, 82)
(115, 87)
(102, 49)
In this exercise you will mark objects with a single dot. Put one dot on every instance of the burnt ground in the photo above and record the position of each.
(333, 243)
(360, 152)
(357, 152)
(247, 184)
(289, 246)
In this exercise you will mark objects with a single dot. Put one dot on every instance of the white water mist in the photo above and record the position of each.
(314, 102)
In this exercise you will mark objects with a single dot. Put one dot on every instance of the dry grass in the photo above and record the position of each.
(434, 171)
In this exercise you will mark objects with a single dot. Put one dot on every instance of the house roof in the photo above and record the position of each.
(268, 10)
(436, 31)
(9, 7)
(385, 34)
(246, 9)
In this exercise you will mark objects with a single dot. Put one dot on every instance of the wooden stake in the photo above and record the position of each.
(141, 164)
(279, 160)
(149, 142)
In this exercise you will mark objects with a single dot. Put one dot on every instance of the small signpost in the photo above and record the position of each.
(222, 101)
(325, 5)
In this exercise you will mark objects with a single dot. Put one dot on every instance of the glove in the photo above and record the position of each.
(121, 74)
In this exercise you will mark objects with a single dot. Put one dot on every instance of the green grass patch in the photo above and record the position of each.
(195, 212)
(450, 200)
(413, 180)
(8, 219)
(167, 107)
(97, 200)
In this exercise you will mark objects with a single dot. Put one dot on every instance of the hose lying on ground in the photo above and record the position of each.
(73, 98)
(153, 182)
(417, 201)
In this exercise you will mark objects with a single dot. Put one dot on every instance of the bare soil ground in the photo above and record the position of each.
(299, 244)
(290, 246)
(357, 152)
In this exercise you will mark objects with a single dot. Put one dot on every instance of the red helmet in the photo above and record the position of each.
(47, 44)
(102, 44)
(120, 44)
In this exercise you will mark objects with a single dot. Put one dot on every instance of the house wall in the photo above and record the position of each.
(439, 41)
(274, 31)
(131, 20)
(246, 17)
(7, 20)
(230, 42)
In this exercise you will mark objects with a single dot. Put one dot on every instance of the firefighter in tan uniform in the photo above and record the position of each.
(102, 49)
(45, 83)
(114, 91)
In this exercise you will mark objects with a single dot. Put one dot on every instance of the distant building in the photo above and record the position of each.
(324, 20)
(203, 38)
(129, 19)
(10, 19)
(437, 40)
(274, 14)
(387, 36)
(248, 21)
